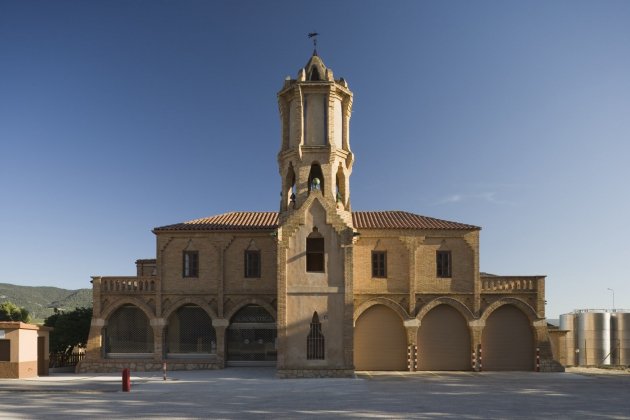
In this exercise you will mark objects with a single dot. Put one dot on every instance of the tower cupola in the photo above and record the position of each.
(315, 150)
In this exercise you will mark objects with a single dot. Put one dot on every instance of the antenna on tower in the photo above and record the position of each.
(313, 35)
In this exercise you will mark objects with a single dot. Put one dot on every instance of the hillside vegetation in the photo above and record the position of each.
(40, 301)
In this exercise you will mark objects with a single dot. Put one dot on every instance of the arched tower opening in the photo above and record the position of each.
(316, 178)
(289, 191)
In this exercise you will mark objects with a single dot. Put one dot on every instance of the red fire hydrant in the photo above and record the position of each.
(126, 380)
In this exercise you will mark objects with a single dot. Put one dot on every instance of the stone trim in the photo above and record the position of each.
(116, 366)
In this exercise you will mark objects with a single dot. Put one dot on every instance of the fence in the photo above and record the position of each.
(60, 359)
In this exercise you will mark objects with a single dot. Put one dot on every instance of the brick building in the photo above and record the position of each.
(317, 289)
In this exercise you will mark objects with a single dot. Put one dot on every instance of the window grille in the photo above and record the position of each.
(379, 264)
(128, 331)
(443, 263)
(190, 330)
(315, 341)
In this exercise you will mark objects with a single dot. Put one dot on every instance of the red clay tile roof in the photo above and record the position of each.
(236, 220)
(402, 220)
(255, 220)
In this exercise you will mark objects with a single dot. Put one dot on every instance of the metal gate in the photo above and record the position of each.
(251, 338)
(128, 332)
(190, 333)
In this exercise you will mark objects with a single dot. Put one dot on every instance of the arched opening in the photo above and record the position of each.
(190, 333)
(314, 76)
(251, 338)
(507, 340)
(380, 340)
(316, 178)
(315, 344)
(128, 333)
(289, 185)
(444, 340)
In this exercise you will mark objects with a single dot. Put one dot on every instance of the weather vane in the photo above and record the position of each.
(314, 36)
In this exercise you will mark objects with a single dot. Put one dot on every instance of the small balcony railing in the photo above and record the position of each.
(128, 284)
(511, 284)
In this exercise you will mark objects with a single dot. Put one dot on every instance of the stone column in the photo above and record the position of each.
(411, 326)
(94, 343)
(158, 325)
(476, 329)
(220, 325)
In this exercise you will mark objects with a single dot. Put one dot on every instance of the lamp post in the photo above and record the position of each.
(613, 293)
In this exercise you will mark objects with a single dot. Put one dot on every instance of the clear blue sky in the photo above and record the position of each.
(120, 116)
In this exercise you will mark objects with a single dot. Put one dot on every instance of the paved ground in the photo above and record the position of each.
(256, 393)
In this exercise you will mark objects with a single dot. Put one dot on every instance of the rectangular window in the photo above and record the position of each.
(315, 254)
(379, 264)
(5, 350)
(252, 263)
(191, 264)
(443, 263)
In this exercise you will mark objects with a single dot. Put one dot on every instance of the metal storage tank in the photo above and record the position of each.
(567, 323)
(593, 338)
(621, 338)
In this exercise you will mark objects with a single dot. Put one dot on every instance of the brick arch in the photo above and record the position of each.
(128, 301)
(187, 300)
(454, 303)
(400, 311)
(529, 312)
(249, 301)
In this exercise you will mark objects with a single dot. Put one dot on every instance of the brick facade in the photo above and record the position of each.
(285, 289)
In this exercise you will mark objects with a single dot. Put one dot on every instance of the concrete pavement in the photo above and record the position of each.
(256, 393)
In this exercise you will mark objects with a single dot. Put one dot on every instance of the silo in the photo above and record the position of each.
(621, 338)
(567, 323)
(593, 338)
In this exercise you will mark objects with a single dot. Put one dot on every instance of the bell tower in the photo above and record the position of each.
(315, 151)
(315, 233)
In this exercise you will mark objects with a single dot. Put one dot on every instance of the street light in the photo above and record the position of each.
(613, 292)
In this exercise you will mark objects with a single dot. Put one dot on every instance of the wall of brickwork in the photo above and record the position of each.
(463, 265)
(397, 279)
(170, 263)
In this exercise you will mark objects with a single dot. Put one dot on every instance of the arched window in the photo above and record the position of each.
(315, 250)
(315, 341)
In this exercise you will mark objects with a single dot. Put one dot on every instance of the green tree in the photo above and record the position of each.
(9, 311)
(71, 329)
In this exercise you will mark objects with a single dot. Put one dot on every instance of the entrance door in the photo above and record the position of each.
(251, 338)
(42, 369)
(507, 340)
(443, 340)
(380, 340)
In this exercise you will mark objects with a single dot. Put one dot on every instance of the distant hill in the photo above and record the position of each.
(41, 300)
